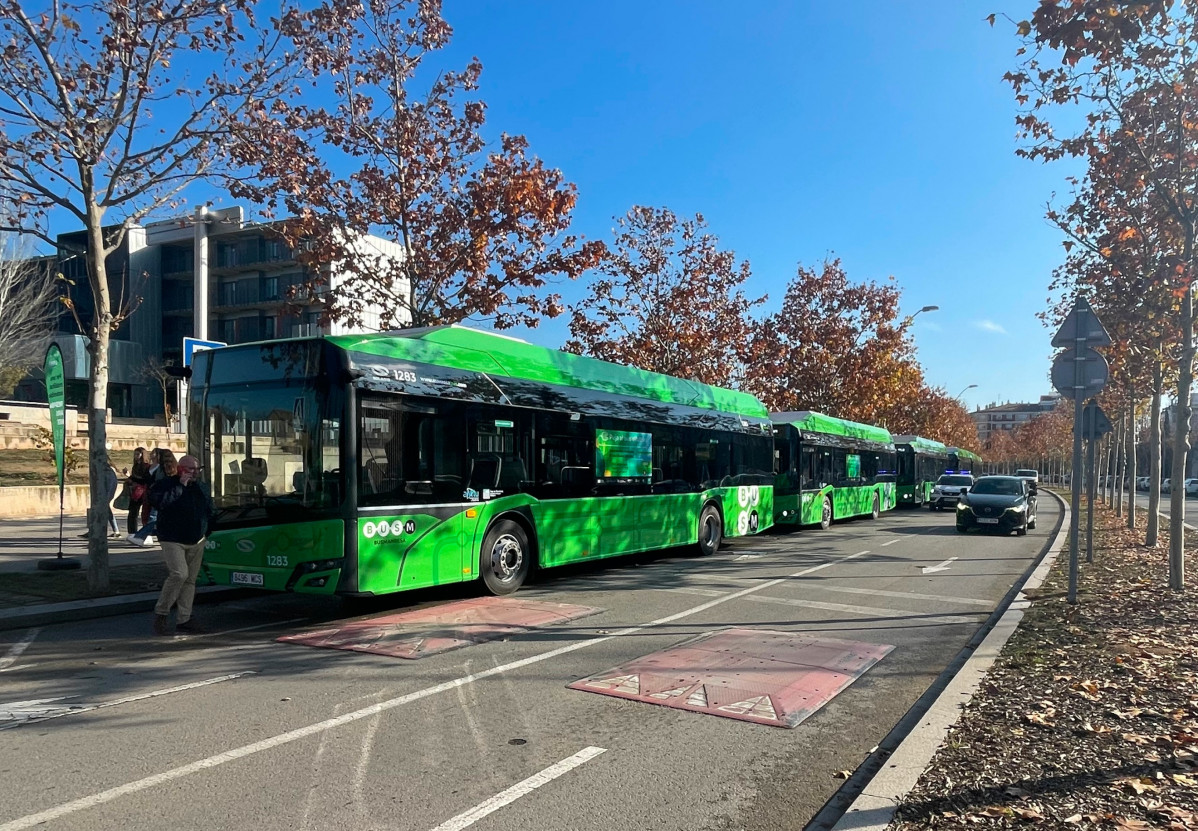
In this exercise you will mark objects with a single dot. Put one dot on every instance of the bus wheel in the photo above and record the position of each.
(877, 508)
(711, 531)
(825, 518)
(504, 562)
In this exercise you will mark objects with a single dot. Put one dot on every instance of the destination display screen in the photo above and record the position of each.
(623, 455)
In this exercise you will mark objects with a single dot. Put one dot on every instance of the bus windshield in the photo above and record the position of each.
(272, 452)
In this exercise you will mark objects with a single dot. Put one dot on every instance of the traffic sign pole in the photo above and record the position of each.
(1078, 386)
(1088, 374)
(1092, 479)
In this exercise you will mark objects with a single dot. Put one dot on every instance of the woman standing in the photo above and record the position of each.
(139, 487)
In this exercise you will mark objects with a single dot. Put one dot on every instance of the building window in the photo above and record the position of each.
(270, 288)
(269, 327)
(228, 293)
(228, 331)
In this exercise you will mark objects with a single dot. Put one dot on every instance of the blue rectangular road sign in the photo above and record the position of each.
(194, 345)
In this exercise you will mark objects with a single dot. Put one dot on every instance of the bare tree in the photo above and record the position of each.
(158, 372)
(28, 309)
(108, 110)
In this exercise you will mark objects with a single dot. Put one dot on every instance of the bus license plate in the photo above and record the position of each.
(246, 578)
(982, 520)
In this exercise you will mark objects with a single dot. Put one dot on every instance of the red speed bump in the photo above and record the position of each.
(436, 629)
(774, 678)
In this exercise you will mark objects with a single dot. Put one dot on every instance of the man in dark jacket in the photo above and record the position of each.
(184, 508)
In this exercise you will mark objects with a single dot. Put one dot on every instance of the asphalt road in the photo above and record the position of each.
(235, 730)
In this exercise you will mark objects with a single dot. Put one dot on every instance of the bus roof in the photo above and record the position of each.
(812, 422)
(462, 348)
(922, 445)
(962, 453)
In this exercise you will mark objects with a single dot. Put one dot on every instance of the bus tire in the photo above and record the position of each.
(877, 511)
(506, 557)
(826, 517)
(711, 530)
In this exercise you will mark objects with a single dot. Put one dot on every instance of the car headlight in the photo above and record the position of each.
(962, 506)
(1016, 509)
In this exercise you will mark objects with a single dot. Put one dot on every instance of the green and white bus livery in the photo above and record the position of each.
(828, 468)
(920, 462)
(961, 460)
(369, 464)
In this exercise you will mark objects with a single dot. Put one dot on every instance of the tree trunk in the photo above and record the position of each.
(97, 425)
(1154, 457)
(1117, 446)
(1131, 461)
(1181, 436)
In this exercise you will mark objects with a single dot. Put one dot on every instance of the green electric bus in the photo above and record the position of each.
(920, 463)
(368, 464)
(828, 468)
(961, 460)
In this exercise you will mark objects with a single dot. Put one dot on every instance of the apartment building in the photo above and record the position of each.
(996, 417)
(249, 271)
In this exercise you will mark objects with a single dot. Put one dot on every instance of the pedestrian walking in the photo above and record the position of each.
(163, 466)
(184, 509)
(139, 482)
(109, 484)
(112, 482)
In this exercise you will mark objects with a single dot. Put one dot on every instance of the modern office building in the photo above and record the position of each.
(249, 271)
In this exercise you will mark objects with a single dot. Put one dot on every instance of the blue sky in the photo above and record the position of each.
(876, 131)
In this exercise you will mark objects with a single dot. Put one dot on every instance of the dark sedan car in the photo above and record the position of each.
(998, 503)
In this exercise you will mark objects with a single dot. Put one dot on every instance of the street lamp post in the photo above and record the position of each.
(907, 320)
(957, 397)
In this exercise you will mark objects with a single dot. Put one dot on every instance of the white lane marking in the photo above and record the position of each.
(100, 798)
(892, 542)
(13, 713)
(939, 566)
(71, 711)
(468, 818)
(914, 596)
(863, 611)
(695, 590)
(747, 557)
(242, 629)
(17, 648)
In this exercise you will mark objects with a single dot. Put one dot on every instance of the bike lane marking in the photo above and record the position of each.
(527, 786)
(105, 796)
(17, 648)
(40, 713)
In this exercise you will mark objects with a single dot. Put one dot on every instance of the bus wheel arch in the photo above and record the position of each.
(711, 529)
(827, 513)
(508, 554)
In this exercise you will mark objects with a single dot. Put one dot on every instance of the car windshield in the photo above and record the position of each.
(1002, 486)
(955, 480)
(1025, 473)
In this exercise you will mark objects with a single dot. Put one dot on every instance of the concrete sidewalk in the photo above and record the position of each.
(138, 570)
(23, 542)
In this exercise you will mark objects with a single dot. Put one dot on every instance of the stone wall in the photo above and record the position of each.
(42, 501)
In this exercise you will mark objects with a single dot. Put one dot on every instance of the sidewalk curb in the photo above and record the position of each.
(45, 614)
(875, 805)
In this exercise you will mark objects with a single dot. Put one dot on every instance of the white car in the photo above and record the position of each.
(1165, 483)
(1142, 483)
(948, 490)
(1030, 475)
(1191, 487)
